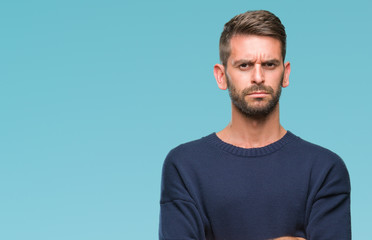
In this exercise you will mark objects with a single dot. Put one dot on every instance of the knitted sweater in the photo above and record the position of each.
(216, 191)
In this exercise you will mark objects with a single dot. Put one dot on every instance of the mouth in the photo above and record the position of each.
(258, 94)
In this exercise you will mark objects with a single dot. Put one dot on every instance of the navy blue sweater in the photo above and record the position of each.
(216, 191)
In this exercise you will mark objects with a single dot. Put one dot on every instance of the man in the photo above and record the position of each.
(254, 179)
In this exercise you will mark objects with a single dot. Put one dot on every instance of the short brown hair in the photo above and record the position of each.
(261, 23)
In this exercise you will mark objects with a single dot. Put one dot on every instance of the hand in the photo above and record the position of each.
(289, 238)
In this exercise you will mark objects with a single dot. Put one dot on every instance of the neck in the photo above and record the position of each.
(249, 132)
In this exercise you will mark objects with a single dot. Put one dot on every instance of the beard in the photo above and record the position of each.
(258, 107)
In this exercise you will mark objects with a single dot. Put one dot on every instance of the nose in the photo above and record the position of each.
(258, 76)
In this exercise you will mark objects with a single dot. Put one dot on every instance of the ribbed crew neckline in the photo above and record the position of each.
(250, 152)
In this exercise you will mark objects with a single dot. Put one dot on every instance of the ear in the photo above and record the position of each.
(219, 74)
(287, 71)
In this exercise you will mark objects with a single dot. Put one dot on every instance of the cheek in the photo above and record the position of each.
(274, 74)
(241, 79)
(274, 78)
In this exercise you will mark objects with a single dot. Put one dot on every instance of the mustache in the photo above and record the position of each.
(256, 88)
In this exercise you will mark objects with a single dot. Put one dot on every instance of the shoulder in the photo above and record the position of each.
(188, 151)
(321, 159)
(316, 152)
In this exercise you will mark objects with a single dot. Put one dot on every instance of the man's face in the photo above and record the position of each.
(255, 107)
(255, 74)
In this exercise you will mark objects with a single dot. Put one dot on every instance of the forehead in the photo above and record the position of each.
(255, 47)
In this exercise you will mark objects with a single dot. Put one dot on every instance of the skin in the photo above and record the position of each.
(254, 60)
(289, 238)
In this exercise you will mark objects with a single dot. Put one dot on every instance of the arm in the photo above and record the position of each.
(329, 218)
(179, 216)
(289, 238)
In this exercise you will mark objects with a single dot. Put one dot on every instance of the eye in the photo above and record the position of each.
(244, 66)
(269, 65)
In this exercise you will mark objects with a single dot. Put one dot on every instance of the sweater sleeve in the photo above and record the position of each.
(330, 213)
(179, 216)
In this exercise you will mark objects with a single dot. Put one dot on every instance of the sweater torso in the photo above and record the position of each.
(256, 193)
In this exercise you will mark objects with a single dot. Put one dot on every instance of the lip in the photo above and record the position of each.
(258, 94)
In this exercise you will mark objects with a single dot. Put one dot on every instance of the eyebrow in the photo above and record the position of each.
(241, 61)
(275, 61)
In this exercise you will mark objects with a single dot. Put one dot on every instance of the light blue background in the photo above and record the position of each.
(93, 95)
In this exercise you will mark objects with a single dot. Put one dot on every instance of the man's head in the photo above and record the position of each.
(260, 23)
(252, 49)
